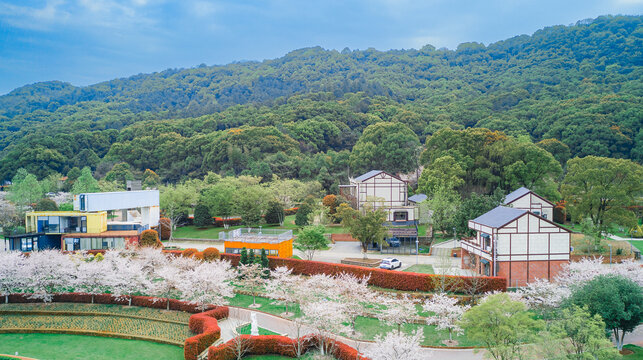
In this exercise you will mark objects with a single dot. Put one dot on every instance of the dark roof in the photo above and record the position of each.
(499, 216)
(368, 175)
(418, 198)
(516, 194)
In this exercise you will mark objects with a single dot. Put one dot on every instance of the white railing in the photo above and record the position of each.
(276, 235)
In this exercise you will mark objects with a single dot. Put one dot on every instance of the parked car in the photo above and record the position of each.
(390, 264)
(393, 242)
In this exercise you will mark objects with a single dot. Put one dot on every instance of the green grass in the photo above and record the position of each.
(420, 268)
(246, 329)
(638, 352)
(80, 347)
(368, 328)
(306, 356)
(267, 305)
(637, 244)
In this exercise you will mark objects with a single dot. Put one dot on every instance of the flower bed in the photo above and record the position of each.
(378, 277)
(281, 345)
(205, 324)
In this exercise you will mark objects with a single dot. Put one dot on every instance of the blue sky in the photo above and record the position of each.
(88, 41)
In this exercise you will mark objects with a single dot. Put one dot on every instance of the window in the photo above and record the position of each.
(26, 244)
(544, 216)
(43, 224)
(83, 224)
(400, 216)
(54, 224)
(537, 212)
(486, 239)
(273, 252)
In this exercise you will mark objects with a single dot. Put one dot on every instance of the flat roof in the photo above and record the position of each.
(111, 233)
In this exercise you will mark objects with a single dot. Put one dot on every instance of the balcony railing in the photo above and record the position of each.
(256, 235)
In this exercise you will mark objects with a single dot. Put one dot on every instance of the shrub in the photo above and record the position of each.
(198, 256)
(219, 221)
(301, 218)
(189, 252)
(165, 228)
(202, 216)
(211, 254)
(330, 201)
(291, 211)
(150, 238)
(46, 204)
(274, 213)
(206, 326)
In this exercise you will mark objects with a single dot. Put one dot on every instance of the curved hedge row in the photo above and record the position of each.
(203, 323)
(207, 327)
(281, 345)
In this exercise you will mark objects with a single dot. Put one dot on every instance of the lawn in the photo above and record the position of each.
(246, 329)
(80, 347)
(580, 246)
(420, 268)
(241, 300)
(613, 229)
(637, 244)
(638, 352)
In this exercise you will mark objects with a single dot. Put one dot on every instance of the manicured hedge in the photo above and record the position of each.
(206, 326)
(219, 222)
(282, 345)
(398, 280)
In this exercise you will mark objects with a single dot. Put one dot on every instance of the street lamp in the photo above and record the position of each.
(610, 245)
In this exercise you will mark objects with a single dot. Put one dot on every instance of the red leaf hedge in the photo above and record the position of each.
(281, 345)
(397, 280)
(205, 324)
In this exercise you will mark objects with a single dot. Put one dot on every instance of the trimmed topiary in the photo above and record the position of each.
(211, 254)
(189, 252)
(150, 238)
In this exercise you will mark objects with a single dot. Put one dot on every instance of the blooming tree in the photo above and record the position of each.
(12, 272)
(327, 318)
(355, 293)
(128, 276)
(398, 346)
(208, 283)
(282, 286)
(251, 277)
(48, 272)
(92, 276)
(396, 311)
(445, 313)
(543, 295)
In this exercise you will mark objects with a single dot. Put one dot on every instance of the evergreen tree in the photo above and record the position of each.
(85, 183)
(251, 257)
(244, 257)
(301, 218)
(274, 213)
(265, 264)
(202, 216)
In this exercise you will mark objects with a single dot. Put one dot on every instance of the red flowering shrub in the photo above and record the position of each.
(206, 326)
(190, 252)
(150, 238)
(218, 221)
(291, 211)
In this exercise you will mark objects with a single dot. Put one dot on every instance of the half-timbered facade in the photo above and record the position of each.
(516, 244)
(526, 199)
(379, 189)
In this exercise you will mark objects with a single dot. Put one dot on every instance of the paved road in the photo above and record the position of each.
(280, 325)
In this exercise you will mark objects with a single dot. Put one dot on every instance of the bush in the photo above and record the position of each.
(207, 327)
(330, 201)
(301, 218)
(291, 211)
(165, 228)
(46, 204)
(219, 222)
(275, 213)
(190, 252)
(150, 238)
(202, 216)
(211, 254)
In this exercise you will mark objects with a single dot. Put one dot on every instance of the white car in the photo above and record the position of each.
(390, 264)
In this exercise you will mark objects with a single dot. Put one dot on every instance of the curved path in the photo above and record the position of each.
(284, 326)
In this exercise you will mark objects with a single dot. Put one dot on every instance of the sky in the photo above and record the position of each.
(88, 41)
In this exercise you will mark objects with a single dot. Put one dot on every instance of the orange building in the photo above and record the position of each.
(276, 242)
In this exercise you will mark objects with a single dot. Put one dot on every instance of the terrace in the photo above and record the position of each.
(257, 235)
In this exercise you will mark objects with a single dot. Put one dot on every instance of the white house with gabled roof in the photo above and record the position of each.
(379, 189)
(519, 244)
(526, 199)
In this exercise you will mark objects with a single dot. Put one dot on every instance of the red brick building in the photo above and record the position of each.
(516, 244)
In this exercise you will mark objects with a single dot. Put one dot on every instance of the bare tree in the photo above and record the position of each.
(241, 344)
(251, 278)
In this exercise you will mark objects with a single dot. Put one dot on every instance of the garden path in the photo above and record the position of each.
(281, 325)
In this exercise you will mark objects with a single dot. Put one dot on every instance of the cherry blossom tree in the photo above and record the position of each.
(251, 278)
(396, 311)
(542, 295)
(127, 275)
(166, 282)
(92, 276)
(355, 293)
(318, 287)
(445, 313)
(12, 273)
(208, 283)
(48, 272)
(327, 318)
(398, 346)
(282, 286)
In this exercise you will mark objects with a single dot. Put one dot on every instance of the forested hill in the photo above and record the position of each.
(579, 84)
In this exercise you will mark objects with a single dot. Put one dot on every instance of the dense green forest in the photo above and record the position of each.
(322, 115)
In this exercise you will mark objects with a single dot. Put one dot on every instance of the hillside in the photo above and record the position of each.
(303, 113)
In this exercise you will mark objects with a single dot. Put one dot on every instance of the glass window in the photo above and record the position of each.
(34, 241)
(83, 224)
(400, 216)
(54, 224)
(43, 224)
(273, 253)
(26, 244)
